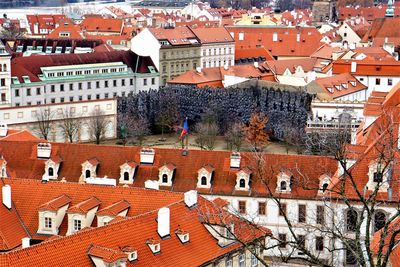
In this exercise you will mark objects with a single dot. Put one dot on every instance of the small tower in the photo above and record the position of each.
(390, 11)
(323, 11)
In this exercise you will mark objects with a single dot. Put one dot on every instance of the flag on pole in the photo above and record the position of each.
(185, 129)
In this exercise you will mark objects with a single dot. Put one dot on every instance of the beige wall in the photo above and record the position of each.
(177, 60)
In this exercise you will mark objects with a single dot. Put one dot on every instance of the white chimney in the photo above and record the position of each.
(275, 37)
(198, 69)
(226, 67)
(150, 184)
(256, 64)
(26, 242)
(3, 130)
(147, 156)
(235, 160)
(190, 198)
(298, 37)
(6, 192)
(163, 222)
(353, 66)
(44, 150)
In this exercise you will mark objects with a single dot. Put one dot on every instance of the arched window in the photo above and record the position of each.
(51, 171)
(126, 176)
(283, 186)
(87, 174)
(165, 178)
(324, 187)
(379, 220)
(242, 183)
(351, 220)
(203, 180)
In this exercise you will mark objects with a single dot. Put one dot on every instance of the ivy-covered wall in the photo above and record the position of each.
(285, 109)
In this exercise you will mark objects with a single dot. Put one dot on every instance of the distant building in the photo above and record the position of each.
(324, 11)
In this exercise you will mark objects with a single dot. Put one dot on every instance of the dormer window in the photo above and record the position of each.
(127, 172)
(51, 215)
(182, 235)
(166, 174)
(131, 252)
(243, 179)
(77, 225)
(51, 168)
(204, 176)
(284, 182)
(89, 168)
(3, 166)
(324, 182)
(379, 175)
(154, 245)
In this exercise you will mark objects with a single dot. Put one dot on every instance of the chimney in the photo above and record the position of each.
(163, 222)
(147, 156)
(26, 242)
(298, 37)
(226, 67)
(190, 198)
(150, 184)
(6, 192)
(3, 130)
(275, 37)
(44, 150)
(256, 64)
(198, 69)
(235, 160)
(353, 66)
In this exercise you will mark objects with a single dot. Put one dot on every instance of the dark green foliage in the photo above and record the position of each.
(283, 108)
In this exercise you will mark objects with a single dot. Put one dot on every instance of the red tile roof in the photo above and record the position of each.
(99, 24)
(253, 52)
(85, 206)
(115, 209)
(66, 27)
(31, 66)
(280, 66)
(18, 135)
(22, 162)
(108, 242)
(56, 204)
(368, 67)
(214, 77)
(44, 21)
(212, 35)
(175, 36)
(383, 28)
(340, 85)
(287, 44)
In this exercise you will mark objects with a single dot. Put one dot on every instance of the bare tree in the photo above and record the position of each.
(134, 129)
(70, 124)
(206, 132)
(349, 208)
(10, 30)
(44, 122)
(97, 125)
(234, 136)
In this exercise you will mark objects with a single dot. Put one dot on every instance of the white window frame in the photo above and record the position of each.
(77, 223)
(48, 222)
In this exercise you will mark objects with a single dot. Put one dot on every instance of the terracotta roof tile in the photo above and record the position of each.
(85, 206)
(115, 209)
(56, 204)
(106, 254)
(212, 35)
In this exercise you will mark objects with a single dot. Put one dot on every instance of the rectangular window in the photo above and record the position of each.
(320, 214)
(71, 86)
(377, 81)
(123, 94)
(378, 177)
(301, 241)
(98, 96)
(229, 263)
(106, 84)
(80, 86)
(153, 81)
(144, 81)
(97, 84)
(115, 83)
(106, 95)
(53, 100)
(114, 94)
(16, 92)
(242, 260)
(254, 261)
(89, 97)
(302, 213)
(38, 91)
(38, 102)
(3, 82)
(28, 103)
(71, 99)
(52, 88)
(131, 81)
(282, 240)
(28, 91)
(242, 207)
(77, 225)
(282, 210)
(89, 85)
(390, 81)
(3, 97)
(48, 223)
(262, 208)
(80, 98)
(62, 99)
(61, 87)
(319, 243)
(123, 82)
